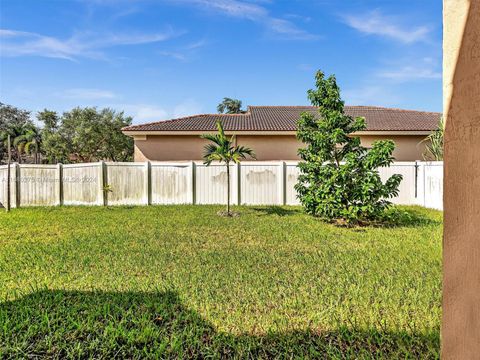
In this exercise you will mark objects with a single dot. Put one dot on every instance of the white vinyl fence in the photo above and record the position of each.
(252, 183)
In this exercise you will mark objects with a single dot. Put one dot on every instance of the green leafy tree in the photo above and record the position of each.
(85, 135)
(223, 149)
(230, 106)
(339, 178)
(54, 147)
(13, 122)
(434, 143)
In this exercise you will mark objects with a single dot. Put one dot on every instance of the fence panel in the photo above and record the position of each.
(128, 183)
(39, 185)
(433, 185)
(261, 183)
(82, 184)
(171, 183)
(406, 189)
(13, 185)
(291, 176)
(211, 183)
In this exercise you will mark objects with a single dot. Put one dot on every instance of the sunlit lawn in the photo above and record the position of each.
(180, 281)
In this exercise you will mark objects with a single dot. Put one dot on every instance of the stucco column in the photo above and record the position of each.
(461, 243)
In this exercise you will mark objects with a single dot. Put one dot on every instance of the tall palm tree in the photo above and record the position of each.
(224, 150)
(230, 106)
(29, 142)
(14, 131)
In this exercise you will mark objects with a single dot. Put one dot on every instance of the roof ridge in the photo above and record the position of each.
(280, 106)
(392, 108)
(179, 119)
(347, 106)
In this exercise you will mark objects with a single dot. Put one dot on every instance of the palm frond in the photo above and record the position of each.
(434, 143)
(19, 140)
(213, 138)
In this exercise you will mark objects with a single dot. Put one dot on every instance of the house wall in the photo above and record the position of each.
(461, 242)
(407, 147)
(266, 147)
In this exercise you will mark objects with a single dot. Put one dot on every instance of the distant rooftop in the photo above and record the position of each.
(284, 118)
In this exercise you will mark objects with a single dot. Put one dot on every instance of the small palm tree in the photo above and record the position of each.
(434, 143)
(230, 106)
(224, 150)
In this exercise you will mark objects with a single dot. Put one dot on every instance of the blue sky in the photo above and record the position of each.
(158, 59)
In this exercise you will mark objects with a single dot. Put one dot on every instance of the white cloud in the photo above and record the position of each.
(187, 108)
(373, 95)
(253, 12)
(197, 44)
(411, 69)
(408, 73)
(89, 45)
(143, 112)
(87, 94)
(184, 53)
(376, 23)
(288, 29)
(234, 8)
(174, 54)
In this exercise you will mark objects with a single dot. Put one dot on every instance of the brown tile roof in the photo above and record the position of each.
(283, 118)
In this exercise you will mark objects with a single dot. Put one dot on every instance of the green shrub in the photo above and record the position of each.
(339, 178)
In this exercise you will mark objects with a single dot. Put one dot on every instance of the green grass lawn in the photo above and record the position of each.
(180, 281)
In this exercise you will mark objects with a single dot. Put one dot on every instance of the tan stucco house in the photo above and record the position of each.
(270, 132)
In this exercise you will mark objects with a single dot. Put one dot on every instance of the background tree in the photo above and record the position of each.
(29, 142)
(230, 106)
(53, 146)
(339, 178)
(224, 150)
(86, 135)
(14, 122)
(434, 143)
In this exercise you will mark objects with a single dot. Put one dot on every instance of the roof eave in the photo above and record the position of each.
(134, 133)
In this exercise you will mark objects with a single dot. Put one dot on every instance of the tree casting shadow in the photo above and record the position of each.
(75, 324)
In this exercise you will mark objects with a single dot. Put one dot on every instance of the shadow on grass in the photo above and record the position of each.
(72, 324)
(395, 217)
(410, 217)
(276, 210)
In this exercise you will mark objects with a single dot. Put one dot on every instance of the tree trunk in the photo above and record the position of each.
(228, 188)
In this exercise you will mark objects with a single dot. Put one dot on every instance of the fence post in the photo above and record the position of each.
(420, 183)
(148, 184)
(101, 183)
(17, 183)
(60, 184)
(192, 173)
(239, 188)
(282, 183)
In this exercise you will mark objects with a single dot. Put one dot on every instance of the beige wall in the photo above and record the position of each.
(278, 147)
(171, 147)
(273, 147)
(461, 242)
(407, 147)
